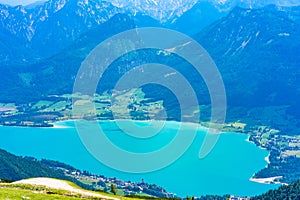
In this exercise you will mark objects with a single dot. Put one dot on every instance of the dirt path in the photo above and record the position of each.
(61, 185)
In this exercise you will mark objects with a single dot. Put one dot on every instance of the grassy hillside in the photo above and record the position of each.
(15, 168)
(19, 190)
(16, 193)
(27, 191)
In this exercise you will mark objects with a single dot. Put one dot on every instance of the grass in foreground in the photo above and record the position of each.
(17, 193)
(33, 192)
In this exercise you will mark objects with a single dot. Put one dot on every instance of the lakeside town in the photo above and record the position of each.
(284, 157)
(111, 185)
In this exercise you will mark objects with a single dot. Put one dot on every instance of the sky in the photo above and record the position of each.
(26, 2)
(17, 2)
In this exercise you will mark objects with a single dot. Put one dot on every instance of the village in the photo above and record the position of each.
(121, 188)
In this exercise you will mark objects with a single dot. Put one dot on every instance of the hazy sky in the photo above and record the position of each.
(26, 2)
(17, 2)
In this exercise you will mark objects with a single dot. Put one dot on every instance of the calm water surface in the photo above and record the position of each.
(226, 170)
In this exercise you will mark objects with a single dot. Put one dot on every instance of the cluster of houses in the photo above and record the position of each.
(238, 198)
(269, 139)
(125, 187)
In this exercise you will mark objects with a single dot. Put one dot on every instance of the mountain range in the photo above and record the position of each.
(30, 33)
(48, 28)
(256, 49)
(252, 41)
(263, 45)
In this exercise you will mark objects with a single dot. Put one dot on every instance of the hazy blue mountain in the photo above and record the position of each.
(224, 5)
(15, 20)
(13, 50)
(45, 28)
(166, 10)
(162, 10)
(204, 13)
(23, 21)
(257, 52)
(50, 27)
(199, 16)
(55, 75)
(293, 13)
(73, 19)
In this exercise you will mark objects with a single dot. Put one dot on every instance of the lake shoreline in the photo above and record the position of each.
(56, 124)
(192, 172)
(269, 180)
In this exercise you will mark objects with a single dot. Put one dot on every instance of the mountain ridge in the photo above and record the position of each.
(49, 27)
(262, 36)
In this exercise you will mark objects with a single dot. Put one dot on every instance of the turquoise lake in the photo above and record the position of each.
(226, 170)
